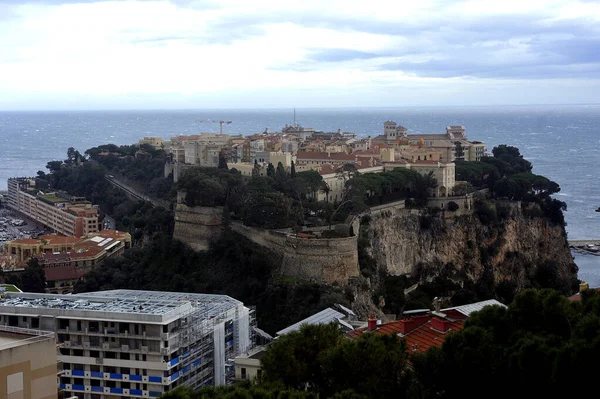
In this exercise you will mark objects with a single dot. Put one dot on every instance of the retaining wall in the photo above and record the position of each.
(331, 260)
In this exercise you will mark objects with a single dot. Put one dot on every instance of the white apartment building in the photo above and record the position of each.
(128, 343)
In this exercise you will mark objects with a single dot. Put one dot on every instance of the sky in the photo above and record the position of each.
(173, 54)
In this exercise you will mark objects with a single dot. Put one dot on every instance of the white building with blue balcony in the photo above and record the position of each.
(128, 343)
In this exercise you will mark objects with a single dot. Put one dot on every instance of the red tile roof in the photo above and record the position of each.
(577, 297)
(337, 156)
(63, 273)
(419, 337)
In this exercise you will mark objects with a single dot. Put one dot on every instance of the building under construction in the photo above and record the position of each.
(127, 343)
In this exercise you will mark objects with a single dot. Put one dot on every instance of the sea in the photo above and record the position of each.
(562, 141)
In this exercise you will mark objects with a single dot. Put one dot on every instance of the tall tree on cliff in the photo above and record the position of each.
(293, 170)
(256, 169)
(270, 170)
(459, 153)
(222, 161)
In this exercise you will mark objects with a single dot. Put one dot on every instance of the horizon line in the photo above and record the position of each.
(293, 107)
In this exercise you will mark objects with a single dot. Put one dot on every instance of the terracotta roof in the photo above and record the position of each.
(327, 169)
(577, 297)
(63, 273)
(428, 136)
(420, 338)
(337, 156)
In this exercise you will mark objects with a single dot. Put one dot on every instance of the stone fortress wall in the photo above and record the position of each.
(197, 225)
(330, 260)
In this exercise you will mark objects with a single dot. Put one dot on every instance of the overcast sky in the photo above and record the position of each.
(61, 54)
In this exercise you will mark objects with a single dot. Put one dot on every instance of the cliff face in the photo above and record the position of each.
(462, 247)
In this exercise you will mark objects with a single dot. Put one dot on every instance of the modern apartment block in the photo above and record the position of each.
(68, 216)
(127, 343)
(28, 364)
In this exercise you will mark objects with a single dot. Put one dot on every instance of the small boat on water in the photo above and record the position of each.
(598, 210)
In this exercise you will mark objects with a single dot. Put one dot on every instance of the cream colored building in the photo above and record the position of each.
(247, 366)
(285, 158)
(246, 168)
(396, 136)
(156, 142)
(444, 174)
(28, 364)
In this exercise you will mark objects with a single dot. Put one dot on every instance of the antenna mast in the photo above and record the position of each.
(294, 116)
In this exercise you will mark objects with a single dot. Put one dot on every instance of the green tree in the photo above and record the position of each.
(256, 169)
(293, 359)
(222, 161)
(270, 170)
(459, 153)
(293, 170)
(373, 365)
(32, 279)
(54, 166)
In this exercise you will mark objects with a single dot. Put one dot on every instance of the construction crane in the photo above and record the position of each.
(219, 122)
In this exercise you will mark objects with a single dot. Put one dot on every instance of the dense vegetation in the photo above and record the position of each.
(84, 178)
(32, 279)
(536, 347)
(139, 166)
(508, 175)
(285, 199)
(233, 266)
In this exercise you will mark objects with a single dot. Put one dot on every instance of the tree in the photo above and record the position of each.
(293, 359)
(373, 365)
(54, 166)
(270, 170)
(459, 153)
(293, 170)
(280, 173)
(256, 169)
(222, 161)
(326, 190)
(32, 279)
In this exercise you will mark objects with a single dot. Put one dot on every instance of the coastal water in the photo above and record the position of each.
(563, 142)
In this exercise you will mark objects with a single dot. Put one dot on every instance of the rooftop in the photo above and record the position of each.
(474, 307)
(11, 337)
(427, 329)
(325, 316)
(120, 303)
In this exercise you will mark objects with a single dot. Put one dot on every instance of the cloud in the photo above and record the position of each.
(223, 48)
(340, 54)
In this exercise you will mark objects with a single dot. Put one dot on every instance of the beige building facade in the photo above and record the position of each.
(156, 142)
(59, 214)
(247, 366)
(28, 364)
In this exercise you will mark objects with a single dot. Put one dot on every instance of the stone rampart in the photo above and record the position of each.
(332, 260)
(198, 225)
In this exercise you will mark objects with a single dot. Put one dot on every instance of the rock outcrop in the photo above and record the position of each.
(463, 247)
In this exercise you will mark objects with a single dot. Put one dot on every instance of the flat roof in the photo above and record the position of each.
(11, 337)
(153, 306)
